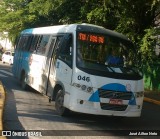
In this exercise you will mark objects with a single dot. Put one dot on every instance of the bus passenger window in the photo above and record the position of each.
(34, 43)
(28, 44)
(41, 49)
(20, 43)
(65, 52)
(23, 41)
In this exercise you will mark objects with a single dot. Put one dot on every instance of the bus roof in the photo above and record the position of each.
(71, 28)
(47, 30)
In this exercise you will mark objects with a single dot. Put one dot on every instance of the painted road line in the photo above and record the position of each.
(2, 100)
(152, 100)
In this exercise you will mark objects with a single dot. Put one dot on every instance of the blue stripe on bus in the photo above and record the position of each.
(94, 97)
(114, 87)
(27, 31)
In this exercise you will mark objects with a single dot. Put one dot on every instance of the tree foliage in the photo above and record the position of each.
(136, 19)
(14, 16)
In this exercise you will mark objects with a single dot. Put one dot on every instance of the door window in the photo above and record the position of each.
(65, 52)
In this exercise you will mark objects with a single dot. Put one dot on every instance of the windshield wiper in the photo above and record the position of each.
(110, 68)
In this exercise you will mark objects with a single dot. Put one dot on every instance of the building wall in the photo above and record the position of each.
(5, 42)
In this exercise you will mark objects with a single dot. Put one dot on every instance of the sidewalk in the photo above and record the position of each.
(2, 100)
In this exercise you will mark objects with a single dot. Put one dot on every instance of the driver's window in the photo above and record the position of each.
(65, 52)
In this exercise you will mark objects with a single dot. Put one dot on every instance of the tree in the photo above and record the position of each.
(136, 16)
(14, 17)
(129, 17)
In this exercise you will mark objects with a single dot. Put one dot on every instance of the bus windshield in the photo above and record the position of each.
(104, 54)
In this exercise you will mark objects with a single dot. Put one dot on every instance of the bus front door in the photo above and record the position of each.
(60, 70)
(50, 65)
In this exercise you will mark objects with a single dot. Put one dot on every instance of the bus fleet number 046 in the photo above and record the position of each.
(84, 78)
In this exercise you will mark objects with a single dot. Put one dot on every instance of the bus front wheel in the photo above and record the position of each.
(60, 109)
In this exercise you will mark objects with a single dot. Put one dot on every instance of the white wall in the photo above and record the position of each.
(4, 41)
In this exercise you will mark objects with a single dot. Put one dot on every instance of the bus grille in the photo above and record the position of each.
(109, 94)
(106, 106)
(114, 94)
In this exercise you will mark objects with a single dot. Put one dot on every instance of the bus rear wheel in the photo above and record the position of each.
(23, 82)
(59, 101)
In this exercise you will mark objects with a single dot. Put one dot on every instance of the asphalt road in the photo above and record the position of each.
(29, 110)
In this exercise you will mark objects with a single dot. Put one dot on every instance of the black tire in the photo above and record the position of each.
(23, 83)
(60, 109)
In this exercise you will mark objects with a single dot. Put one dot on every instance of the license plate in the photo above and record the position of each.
(116, 101)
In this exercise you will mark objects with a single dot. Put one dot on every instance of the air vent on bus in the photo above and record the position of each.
(113, 107)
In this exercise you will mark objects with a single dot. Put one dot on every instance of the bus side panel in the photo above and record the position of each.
(36, 72)
(22, 55)
(21, 62)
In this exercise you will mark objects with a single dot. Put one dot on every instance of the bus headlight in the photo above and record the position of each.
(83, 87)
(139, 94)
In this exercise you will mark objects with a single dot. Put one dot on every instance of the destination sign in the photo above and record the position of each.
(91, 38)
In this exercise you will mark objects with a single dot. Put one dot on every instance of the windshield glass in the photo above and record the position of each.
(101, 53)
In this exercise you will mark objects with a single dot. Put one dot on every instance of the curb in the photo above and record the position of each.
(151, 100)
(2, 100)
